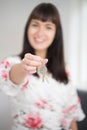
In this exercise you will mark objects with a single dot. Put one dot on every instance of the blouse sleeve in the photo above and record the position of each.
(72, 109)
(6, 85)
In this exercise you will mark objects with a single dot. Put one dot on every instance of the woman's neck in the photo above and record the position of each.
(41, 53)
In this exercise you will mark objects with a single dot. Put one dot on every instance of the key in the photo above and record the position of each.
(43, 71)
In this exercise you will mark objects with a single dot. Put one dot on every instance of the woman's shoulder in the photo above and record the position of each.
(67, 88)
(70, 89)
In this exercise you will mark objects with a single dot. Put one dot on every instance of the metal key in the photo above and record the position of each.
(43, 71)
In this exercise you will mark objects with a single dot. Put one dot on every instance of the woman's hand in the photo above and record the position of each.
(29, 65)
(73, 125)
(32, 62)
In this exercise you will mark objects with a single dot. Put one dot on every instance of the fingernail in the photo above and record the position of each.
(45, 61)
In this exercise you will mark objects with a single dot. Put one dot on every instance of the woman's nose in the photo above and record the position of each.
(40, 31)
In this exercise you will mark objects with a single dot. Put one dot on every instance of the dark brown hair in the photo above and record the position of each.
(55, 53)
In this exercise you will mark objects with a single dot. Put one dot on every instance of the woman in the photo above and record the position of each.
(42, 96)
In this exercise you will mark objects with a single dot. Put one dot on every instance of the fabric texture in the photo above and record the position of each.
(38, 105)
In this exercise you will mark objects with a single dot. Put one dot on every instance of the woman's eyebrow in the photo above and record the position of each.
(50, 24)
(34, 21)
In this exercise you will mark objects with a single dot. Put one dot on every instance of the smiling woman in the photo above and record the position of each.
(36, 80)
(41, 34)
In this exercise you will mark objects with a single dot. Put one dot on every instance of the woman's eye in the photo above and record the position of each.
(34, 25)
(49, 28)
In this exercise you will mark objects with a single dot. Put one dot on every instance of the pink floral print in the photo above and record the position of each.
(41, 104)
(33, 121)
(34, 110)
(25, 86)
(5, 64)
(71, 108)
(44, 104)
(68, 73)
(15, 116)
(4, 74)
(64, 121)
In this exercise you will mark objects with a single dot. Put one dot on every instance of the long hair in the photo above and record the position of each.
(55, 53)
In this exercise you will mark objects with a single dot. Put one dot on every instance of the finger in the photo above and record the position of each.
(30, 69)
(32, 62)
(45, 61)
(33, 57)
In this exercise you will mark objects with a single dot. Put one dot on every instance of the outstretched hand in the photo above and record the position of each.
(32, 62)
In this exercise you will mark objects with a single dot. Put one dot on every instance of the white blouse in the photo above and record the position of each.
(38, 105)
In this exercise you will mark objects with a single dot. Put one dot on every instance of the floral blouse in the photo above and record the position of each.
(38, 105)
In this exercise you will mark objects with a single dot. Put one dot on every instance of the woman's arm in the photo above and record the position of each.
(28, 65)
(17, 74)
(73, 125)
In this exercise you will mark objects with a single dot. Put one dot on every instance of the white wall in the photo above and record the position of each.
(77, 43)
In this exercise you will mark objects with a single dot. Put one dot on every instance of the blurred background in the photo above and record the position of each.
(73, 13)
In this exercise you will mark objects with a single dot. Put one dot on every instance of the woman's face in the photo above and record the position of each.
(41, 34)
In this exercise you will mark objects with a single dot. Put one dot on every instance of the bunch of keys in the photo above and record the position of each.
(43, 71)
